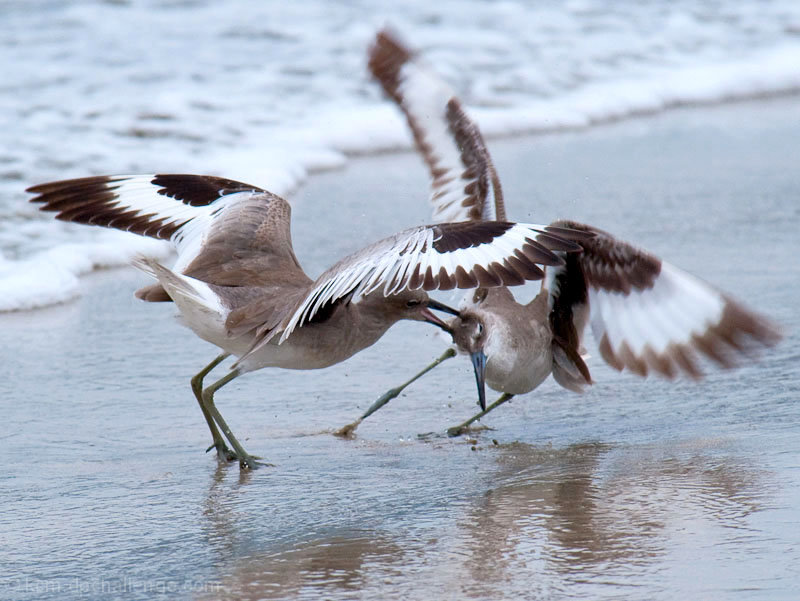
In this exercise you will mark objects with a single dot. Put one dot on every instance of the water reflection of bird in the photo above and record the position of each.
(238, 284)
(647, 316)
(532, 522)
(332, 566)
(594, 513)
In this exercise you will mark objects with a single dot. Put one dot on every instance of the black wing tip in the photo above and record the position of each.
(94, 201)
(195, 190)
(198, 190)
(71, 198)
(66, 187)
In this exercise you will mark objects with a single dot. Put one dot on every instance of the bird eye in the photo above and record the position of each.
(480, 328)
(412, 303)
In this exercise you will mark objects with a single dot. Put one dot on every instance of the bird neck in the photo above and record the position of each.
(373, 318)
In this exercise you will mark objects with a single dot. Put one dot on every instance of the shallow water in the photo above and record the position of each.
(636, 490)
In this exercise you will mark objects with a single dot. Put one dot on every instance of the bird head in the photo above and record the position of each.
(469, 335)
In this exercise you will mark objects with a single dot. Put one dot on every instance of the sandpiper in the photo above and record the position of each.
(238, 284)
(646, 315)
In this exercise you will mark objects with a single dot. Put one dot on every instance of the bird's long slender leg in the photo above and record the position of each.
(223, 452)
(461, 428)
(348, 430)
(246, 461)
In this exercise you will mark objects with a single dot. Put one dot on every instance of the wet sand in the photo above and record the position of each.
(637, 490)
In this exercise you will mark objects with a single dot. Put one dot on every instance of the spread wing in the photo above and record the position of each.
(464, 183)
(437, 257)
(647, 315)
(224, 231)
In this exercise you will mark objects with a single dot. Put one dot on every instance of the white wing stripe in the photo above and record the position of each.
(425, 96)
(677, 307)
(403, 261)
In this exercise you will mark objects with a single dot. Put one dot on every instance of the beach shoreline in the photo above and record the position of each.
(615, 494)
(19, 291)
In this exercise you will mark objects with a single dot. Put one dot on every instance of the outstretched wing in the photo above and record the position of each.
(463, 176)
(224, 231)
(647, 315)
(438, 257)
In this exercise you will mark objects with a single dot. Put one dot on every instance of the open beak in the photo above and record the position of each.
(479, 365)
(431, 318)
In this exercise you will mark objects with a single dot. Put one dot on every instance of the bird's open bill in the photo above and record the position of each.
(431, 318)
(479, 364)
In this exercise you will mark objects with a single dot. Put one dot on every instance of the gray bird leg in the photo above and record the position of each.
(246, 461)
(349, 430)
(460, 429)
(223, 452)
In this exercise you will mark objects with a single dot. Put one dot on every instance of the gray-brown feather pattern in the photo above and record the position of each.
(250, 242)
(269, 307)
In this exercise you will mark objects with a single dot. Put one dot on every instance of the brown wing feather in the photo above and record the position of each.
(479, 169)
(612, 264)
(270, 306)
(387, 59)
(719, 328)
(154, 293)
(251, 242)
(248, 237)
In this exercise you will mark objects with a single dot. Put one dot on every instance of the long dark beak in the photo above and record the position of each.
(434, 304)
(479, 365)
(431, 318)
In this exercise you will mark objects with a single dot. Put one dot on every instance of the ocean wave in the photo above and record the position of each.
(267, 96)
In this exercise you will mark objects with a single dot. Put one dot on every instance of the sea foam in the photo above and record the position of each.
(267, 96)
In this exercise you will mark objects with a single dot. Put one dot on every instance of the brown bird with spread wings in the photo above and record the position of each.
(238, 284)
(647, 316)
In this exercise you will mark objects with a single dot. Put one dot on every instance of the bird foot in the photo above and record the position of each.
(247, 462)
(456, 431)
(223, 452)
(348, 431)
